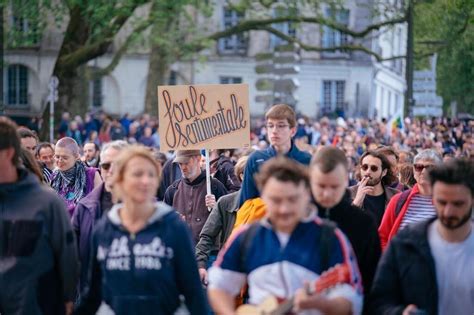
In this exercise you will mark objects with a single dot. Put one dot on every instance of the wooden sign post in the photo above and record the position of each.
(214, 116)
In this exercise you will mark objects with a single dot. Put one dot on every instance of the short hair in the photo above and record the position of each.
(389, 178)
(428, 154)
(128, 153)
(70, 144)
(282, 111)
(282, 169)
(456, 172)
(96, 146)
(116, 144)
(388, 150)
(43, 145)
(240, 166)
(9, 138)
(328, 158)
(27, 133)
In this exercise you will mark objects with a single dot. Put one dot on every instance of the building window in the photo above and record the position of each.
(230, 80)
(96, 92)
(173, 79)
(17, 85)
(234, 44)
(287, 28)
(24, 30)
(333, 97)
(331, 37)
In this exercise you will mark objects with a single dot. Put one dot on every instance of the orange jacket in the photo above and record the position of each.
(252, 210)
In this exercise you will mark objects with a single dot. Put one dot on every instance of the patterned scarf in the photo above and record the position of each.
(70, 184)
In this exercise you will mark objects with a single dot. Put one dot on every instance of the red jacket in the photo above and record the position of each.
(390, 222)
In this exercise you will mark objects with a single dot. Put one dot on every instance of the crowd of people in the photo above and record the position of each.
(315, 217)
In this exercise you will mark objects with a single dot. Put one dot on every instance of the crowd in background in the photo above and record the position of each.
(449, 137)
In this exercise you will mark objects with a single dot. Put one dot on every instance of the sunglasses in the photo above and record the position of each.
(419, 167)
(105, 166)
(373, 168)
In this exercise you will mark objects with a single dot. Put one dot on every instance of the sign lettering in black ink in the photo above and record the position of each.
(184, 125)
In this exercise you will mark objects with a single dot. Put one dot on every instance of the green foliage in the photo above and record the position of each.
(445, 27)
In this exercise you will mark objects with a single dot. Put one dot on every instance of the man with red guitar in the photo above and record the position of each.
(288, 253)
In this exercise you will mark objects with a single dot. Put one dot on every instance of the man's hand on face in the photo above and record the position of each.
(362, 191)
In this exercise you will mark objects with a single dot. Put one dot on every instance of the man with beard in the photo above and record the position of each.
(428, 266)
(188, 195)
(373, 191)
(91, 154)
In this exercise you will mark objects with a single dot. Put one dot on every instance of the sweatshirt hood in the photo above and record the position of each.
(25, 179)
(161, 209)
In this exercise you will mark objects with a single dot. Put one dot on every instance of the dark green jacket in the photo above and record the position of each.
(217, 228)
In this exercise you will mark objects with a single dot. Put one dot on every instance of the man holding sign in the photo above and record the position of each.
(188, 194)
(195, 117)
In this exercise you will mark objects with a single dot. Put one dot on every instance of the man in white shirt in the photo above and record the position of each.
(429, 266)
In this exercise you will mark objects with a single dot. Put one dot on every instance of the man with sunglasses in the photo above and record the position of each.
(413, 205)
(92, 207)
(373, 192)
(428, 269)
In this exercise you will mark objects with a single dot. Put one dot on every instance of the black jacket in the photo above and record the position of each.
(360, 229)
(225, 173)
(171, 172)
(406, 274)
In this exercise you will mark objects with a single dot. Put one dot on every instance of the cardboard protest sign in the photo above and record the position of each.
(214, 116)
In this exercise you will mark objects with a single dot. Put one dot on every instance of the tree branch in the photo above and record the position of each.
(122, 50)
(258, 24)
(92, 50)
(308, 47)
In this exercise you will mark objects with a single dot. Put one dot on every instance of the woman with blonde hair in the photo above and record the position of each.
(142, 251)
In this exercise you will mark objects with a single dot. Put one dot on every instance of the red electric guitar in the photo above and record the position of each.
(337, 275)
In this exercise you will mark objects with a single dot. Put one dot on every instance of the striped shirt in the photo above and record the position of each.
(420, 209)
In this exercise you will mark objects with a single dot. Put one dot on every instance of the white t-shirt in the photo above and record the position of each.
(454, 263)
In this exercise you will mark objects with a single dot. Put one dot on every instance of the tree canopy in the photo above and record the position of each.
(446, 27)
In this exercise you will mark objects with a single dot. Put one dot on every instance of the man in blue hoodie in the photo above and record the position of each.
(38, 260)
(281, 127)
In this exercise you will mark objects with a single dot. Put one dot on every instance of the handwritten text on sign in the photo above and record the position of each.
(203, 116)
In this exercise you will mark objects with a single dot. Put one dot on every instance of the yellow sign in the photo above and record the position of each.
(214, 116)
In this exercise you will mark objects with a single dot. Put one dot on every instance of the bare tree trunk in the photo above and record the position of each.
(158, 73)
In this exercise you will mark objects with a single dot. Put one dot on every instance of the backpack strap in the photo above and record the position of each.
(401, 201)
(247, 238)
(325, 243)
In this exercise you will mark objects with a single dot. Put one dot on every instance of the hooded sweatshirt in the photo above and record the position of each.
(145, 272)
(38, 257)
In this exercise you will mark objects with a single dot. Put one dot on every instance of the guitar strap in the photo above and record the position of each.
(245, 244)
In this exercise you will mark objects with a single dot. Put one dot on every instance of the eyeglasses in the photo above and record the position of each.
(373, 168)
(419, 167)
(278, 126)
(62, 157)
(105, 166)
